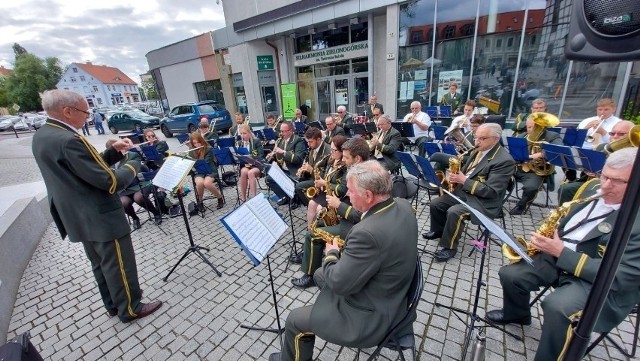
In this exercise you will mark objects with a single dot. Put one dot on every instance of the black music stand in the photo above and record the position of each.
(359, 130)
(280, 178)
(519, 149)
(489, 228)
(148, 176)
(151, 153)
(257, 245)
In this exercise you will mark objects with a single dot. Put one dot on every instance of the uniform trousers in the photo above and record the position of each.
(114, 268)
(298, 336)
(531, 184)
(448, 218)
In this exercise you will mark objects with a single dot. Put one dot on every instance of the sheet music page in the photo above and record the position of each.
(172, 173)
(494, 229)
(251, 230)
(278, 176)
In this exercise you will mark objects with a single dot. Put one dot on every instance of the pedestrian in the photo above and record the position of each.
(97, 119)
(82, 189)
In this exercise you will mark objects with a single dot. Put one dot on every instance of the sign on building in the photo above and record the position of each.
(265, 62)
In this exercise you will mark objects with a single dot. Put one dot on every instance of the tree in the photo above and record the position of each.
(19, 50)
(31, 76)
(149, 88)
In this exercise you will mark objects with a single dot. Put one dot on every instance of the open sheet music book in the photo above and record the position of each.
(494, 229)
(173, 173)
(256, 227)
(282, 179)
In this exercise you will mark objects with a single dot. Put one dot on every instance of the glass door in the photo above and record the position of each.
(361, 96)
(341, 93)
(324, 104)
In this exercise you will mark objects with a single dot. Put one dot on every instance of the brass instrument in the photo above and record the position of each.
(542, 121)
(546, 229)
(337, 118)
(455, 164)
(313, 191)
(592, 135)
(212, 126)
(328, 214)
(633, 140)
(324, 235)
(462, 142)
(412, 118)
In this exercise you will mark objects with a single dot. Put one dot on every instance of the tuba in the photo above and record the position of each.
(542, 121)
(546, 229)
(633, 140)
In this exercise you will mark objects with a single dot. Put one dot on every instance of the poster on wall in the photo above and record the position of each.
(289, 100)
(342, 97)
(446, 78)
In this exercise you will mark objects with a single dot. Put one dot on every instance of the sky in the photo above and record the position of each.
(117, 33)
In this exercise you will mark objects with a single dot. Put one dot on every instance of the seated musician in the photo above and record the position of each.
(200, 149)
(441, 159)
(249, 174)
(385, 144)
(205, 129)
(274, 125)
(317, 159)
(618, 133)
(136, 192)
(331, 180)
(288, 152)
(482, 183)
(375, 115)
(600, 125)
(345, 119)
(239, 119)
(161, 147)
(364, 287)
(421, 126)
(570, 259)
(534, 173)
(299, 118)
(354, 151)
(372, 106)
(520, 124)
(332, 129)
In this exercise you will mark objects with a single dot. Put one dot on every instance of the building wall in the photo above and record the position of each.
(178, 81)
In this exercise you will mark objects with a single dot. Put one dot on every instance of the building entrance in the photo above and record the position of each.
(350, 91)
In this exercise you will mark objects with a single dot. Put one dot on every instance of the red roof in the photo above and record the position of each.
(4, 71)
(106, 74)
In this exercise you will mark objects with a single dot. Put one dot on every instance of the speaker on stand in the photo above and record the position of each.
(602, 31)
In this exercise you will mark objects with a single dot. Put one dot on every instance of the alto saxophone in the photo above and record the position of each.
(324, 235)
(313, 191)
(330, 215)
(546, 229)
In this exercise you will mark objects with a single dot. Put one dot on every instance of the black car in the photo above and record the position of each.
(128, 120)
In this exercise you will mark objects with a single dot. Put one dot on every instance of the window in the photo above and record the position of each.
(100, 101)
(416, 36)
(509, 42)
(498, 43)
(468, 29)
(487, 43)
(73, 79)
(82, 78)
(359, 32)
(75, 70)
(95, 89)
(533, 40)
(449, 31)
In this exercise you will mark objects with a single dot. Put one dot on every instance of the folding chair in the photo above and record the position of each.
(182, 137)
(393, 340)
(226, 142)
(411, 167)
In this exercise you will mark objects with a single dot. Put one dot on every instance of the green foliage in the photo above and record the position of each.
(149, 88)
(629, 114)
(19, 50)
(31, 76)
(4, 101)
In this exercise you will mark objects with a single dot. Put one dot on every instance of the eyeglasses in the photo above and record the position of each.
(80, 110)
(482, 139)
(615, 181)
(619, 134)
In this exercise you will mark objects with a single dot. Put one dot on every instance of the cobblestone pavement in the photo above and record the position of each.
(202, 313)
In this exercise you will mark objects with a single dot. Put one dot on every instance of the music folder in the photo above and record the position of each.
(562, 156)
(592, 160)
(495, 229)
(256, 162)
(256, 227)
(173, 173)
(282, 179)
(519, 149)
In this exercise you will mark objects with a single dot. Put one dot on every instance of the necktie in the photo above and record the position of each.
(377, 154)
(475, 162)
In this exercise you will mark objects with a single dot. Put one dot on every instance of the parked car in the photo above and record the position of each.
(185, 118)
(21, 125)
(6, 122)
(34, 121)
(128, 120)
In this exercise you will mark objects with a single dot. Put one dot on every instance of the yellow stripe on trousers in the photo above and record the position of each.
(296, 343)
(124, 278)
(458, 229)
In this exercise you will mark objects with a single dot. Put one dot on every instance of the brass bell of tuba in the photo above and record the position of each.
(633, 140)
(542, 121)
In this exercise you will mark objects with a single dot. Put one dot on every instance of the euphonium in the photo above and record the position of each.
(546, 229)
(633, 140)
(542, 121)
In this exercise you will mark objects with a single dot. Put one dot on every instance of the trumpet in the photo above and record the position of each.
(212, 126)
(592, 134)
(412, 119)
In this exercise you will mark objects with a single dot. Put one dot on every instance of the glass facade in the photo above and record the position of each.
(504, 54)
(209, 90)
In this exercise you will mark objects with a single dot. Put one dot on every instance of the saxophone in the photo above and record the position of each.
(324, 235)
(313, 191)
(329, 215)
(546, 229)
(455, 164)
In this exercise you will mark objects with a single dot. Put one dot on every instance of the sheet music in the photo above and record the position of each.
(494, 229)
(281, 179)
(172, 173)
(256, 227)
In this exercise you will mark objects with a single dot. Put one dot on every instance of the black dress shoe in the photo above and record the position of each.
(158, 219)
(497, 317)
(445, 254)
(274, 356)
(146, 310)
(295, 205)
(516, 211)
(305, 281)
(282, 201)
(112, 312)
(220, 203)
(136, 224)
(296, 258)
(201, 207)
(431, 235)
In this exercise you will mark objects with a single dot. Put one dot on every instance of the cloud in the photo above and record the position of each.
(116, 33)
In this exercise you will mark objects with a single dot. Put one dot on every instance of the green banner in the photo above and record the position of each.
(289, 100)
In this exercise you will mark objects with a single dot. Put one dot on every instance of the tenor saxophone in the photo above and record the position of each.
(546, 229)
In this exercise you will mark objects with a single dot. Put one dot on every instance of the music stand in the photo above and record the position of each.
(151, 153)
(269, 134)
(226, 142)
(256, 241)
(370, 127)
(444, 111)
(574, 137)
(489, 228)
(182, 137)
(432, 111)
(438, 131)
(592, 160)
(432, 148)
(359, 130)
(299, 127)
(519, 149)
(171, 176)
(563, 156)
(316, 124)
(288, 185)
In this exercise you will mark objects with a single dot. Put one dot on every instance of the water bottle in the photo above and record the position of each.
(477, 351)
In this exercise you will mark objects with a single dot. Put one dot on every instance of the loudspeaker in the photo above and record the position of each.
(604, 30)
